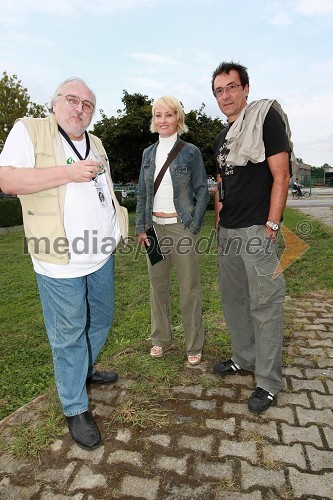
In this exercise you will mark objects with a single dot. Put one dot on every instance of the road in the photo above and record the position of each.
(312, 202)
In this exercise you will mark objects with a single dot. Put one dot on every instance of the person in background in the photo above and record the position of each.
(253, 156)
(297, 186)
(72, 223)
(176, 212)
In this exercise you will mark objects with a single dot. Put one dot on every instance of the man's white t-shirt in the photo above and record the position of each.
(90, 220)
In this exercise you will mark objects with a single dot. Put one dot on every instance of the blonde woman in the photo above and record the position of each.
(176, 212)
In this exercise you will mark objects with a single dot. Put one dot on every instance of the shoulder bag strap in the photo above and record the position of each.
(171, 156)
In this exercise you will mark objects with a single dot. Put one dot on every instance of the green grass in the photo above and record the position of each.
(25, 356)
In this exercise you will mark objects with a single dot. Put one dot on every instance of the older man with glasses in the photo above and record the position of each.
(253, 155)
(72, 223)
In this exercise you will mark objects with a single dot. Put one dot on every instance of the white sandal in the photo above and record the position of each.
(156, 351)
(195, 359)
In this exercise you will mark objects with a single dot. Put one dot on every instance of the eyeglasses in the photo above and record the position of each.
(74, 100)
(229, 89)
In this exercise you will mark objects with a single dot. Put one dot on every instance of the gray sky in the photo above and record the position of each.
(155, 47)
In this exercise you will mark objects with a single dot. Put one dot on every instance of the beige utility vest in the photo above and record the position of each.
(43, 212)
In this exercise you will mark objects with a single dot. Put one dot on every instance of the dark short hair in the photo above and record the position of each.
(226, 67)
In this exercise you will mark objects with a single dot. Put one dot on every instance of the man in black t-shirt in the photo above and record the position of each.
(253, 158)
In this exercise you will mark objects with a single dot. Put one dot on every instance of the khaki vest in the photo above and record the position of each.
(43, 212)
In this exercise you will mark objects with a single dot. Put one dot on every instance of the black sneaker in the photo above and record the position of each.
(227, 368)
(260, 400)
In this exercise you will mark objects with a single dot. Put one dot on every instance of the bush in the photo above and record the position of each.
(129, 203)
(211, 203)
(10, 212)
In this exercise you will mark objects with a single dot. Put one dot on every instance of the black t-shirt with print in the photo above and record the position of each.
(247, 189)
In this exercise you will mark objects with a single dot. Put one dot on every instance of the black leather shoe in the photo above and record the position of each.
(84, 431)
(227, 368)
(102, 378)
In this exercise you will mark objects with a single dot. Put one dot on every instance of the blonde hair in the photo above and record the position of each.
(172, 103)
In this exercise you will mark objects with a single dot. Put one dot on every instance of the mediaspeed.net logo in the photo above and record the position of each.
(294, 247)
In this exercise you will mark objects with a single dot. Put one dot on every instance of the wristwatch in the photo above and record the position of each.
(273, 225)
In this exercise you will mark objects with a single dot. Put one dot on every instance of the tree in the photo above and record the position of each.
(127, 135)
(202, 131)
(15, 102)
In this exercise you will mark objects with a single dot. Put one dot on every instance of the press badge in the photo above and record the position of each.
(100, 194)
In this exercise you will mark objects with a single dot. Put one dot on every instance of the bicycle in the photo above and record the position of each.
(296, 195)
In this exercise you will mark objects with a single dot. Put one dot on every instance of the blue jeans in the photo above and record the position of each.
(78, 315)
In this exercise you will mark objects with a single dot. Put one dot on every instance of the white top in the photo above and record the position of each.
(91, 225)
(163, 200)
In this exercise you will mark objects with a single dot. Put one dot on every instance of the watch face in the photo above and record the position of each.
(275, 227)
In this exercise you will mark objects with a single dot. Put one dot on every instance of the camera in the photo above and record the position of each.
(220, 190)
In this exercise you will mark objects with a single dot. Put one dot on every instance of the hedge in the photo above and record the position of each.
(10, 212)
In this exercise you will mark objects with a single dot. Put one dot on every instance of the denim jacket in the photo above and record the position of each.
(190, 188)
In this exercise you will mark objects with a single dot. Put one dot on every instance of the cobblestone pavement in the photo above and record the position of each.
(215, 448)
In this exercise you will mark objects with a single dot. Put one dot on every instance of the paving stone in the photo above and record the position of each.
(302, 362)
(241, 380)
(217, 470)
(102, 410)
(313, 352)
(267, 430)
(123, 435)
(301, 434)
(234, 495)
(126, 456)
(301, 320)
(321, 304)
(225, 392)
(160, 439)
(202, 444)
(320, 459)
(226, 425)
(56, 475)
(235, 408)
(323, 320)
(321, 401)
(308, 385)
(56, 445)
(325, 363)
(86, 479)
(329, 436)
(187, 492)
(193, 390)
(319, 417)
(257, 476)
(94, 456)
(317, 327)
(140, 487)
(175, 464)
(300, 335)
(9, 491)
(244, 449)
(294, 398)
(284, 413)
(319, 373)
(311, 484)
(293, 455)
(11, 465)
(203, 405)
(325, 335)
(293, 372)
(48, 494)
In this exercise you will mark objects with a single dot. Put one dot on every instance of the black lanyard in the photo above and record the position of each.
(65, 136)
